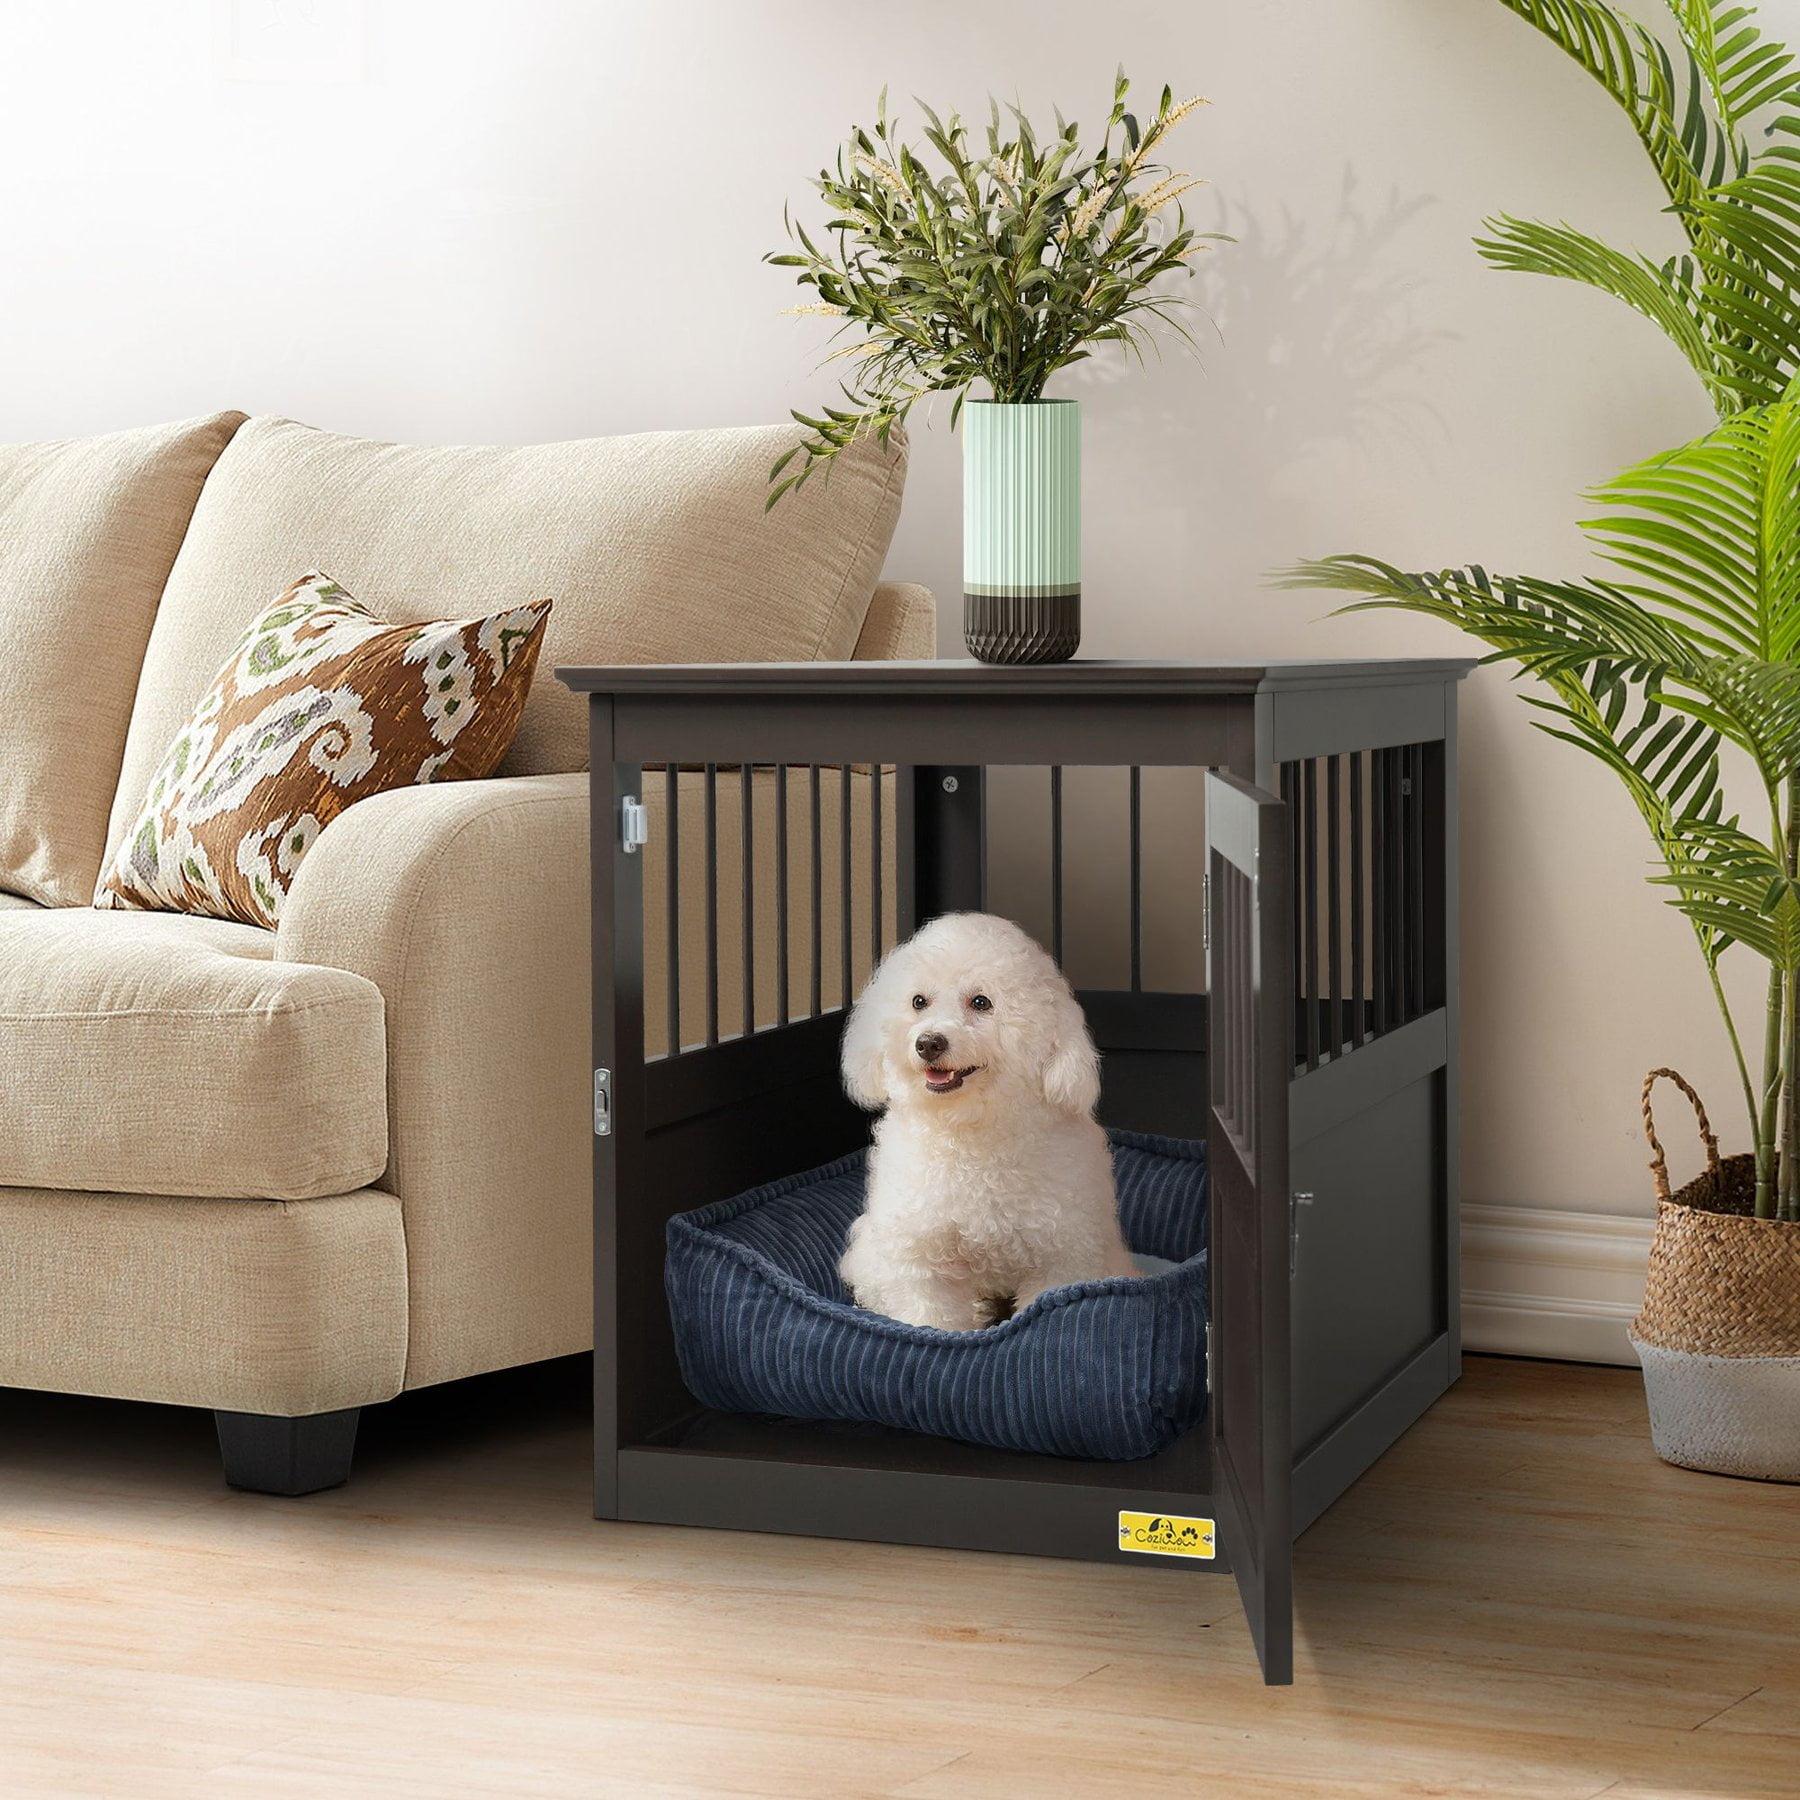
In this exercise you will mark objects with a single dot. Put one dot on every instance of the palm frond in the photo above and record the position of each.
(1634, 68)
(1710, 533)
(1748, 251)
(1731, 302)
(1663, 293)
(1548, 628)
(1743, 71)
(1727, 882)
(1753, 703)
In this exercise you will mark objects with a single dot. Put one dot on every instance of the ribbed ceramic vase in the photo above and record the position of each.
(1022, 530)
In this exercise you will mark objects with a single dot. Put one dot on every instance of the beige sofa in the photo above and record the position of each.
(286, 1174)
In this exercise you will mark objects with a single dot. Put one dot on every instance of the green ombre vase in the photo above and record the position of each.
(1022, 530)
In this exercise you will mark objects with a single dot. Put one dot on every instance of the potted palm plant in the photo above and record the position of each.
(955, 267)
(1680, 670)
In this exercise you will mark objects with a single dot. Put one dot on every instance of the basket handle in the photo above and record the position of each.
(1659, 1167)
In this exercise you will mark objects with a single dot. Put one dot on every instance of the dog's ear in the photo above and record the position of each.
(1072, 1067)
(862, 1057)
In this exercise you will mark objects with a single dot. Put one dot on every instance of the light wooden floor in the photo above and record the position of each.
(1520, 1600)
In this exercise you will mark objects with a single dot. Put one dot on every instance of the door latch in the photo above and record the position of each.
(603, 1103)
(1295, 1203)
(634, 824)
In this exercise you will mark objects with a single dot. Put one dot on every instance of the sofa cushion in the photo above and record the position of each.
(246, 1305)
(322, 705)
(88, 531)
(152, 1053)
(655, 549)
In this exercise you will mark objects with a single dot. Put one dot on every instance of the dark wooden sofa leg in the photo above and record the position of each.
(268, 1455)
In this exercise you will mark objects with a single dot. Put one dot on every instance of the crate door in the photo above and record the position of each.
(1250, 1036)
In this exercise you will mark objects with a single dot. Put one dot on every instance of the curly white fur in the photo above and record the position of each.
(990, 1179)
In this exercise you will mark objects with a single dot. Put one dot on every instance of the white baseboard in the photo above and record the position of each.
(1542, 1283)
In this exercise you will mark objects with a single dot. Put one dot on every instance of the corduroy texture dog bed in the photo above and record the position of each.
(1105, 1369)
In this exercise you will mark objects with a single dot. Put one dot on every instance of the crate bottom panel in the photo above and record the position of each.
(728, 1471)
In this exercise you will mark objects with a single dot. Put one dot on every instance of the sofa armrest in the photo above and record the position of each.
(900, 625)
(466, 903)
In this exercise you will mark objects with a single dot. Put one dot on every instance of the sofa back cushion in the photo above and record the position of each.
(654, 548)
(88, 531)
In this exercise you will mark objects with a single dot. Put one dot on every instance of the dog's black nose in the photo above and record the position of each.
(931, 1045)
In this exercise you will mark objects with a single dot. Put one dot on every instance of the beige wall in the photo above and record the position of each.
(465, 220)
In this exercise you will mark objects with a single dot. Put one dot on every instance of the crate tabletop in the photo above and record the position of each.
(1084, 677)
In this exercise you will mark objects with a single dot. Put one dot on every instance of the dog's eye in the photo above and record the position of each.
(980, 1003)
(920, 1003)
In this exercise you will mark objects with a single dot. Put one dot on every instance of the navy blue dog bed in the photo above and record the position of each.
(1106, 1369)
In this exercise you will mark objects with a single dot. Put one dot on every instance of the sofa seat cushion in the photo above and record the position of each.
(88, 533)
(655, 548)
(153, 1053)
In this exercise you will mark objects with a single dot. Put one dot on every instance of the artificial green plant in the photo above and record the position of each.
(1684, 660)
(1000, 265)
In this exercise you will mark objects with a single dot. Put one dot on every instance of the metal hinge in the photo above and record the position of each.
(1205, 913)
(1295, 1202)
(1209, 1371)
(603, 1103)
(634, 824)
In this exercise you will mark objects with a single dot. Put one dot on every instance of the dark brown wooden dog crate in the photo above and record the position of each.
(1318, 1057)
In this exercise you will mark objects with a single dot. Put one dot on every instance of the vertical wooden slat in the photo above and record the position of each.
(1056, 864)
(1227, 879)
(1246, 1033)
(1235, 990)
(1334, 916)
(1358, 1012)
(746, 833)
(1396, 877)
(875, 881)
(781, 894)
(672, 901)
(1137, 880)
(845, 880)
(1415, 879)
(1309, 803)
(818, 893)
(1290, 794)
(1378, 896)
(712, 903)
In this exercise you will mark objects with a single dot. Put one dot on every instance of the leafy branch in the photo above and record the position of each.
(998, 263)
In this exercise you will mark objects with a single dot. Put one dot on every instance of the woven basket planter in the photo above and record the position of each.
(1719, 1332)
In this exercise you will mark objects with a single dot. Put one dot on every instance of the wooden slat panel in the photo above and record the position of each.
(712, 903)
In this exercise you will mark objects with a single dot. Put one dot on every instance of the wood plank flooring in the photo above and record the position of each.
(1520, 1600)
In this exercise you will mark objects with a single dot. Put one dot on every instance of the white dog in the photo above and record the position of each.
(990, 1179)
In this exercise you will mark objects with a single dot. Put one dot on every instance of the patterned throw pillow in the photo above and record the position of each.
(321, 705)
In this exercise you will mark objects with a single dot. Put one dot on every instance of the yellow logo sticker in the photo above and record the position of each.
(1166, 1534)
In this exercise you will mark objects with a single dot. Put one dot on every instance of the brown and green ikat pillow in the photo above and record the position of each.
(321, 704)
